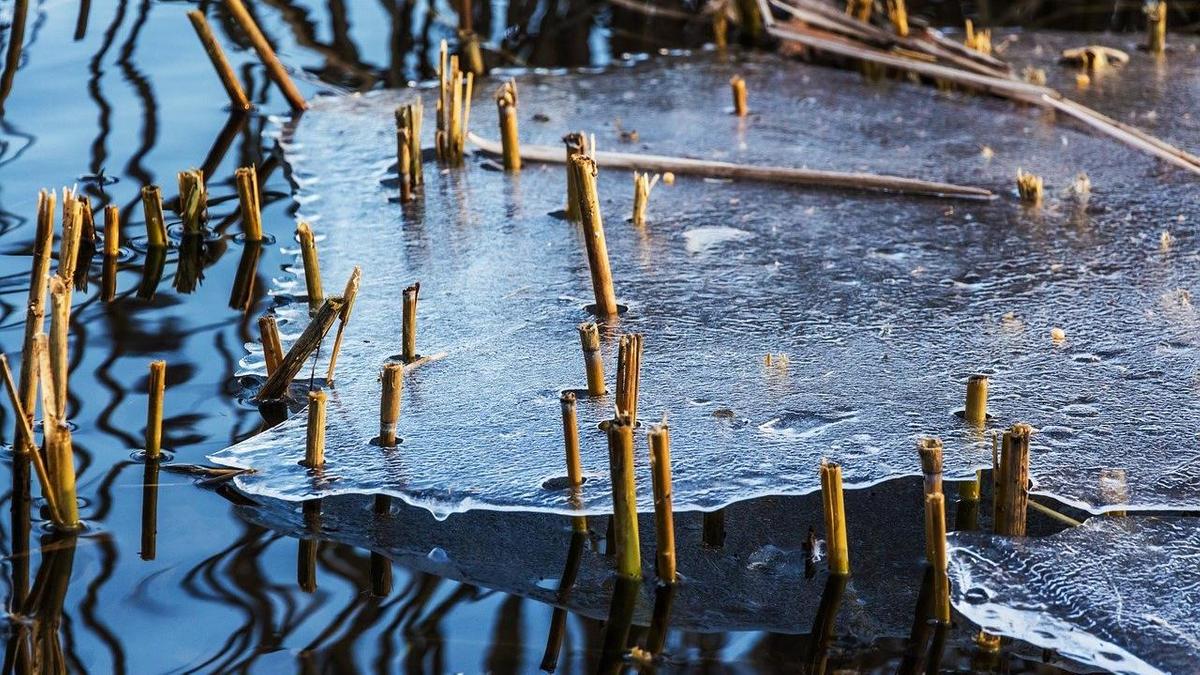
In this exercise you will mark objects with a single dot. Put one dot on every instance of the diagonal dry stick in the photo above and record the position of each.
(26, 440)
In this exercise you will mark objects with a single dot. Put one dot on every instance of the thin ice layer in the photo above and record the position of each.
(883, 304)
(1117, 593)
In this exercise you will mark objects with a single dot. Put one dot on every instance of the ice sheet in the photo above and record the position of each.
(1117, 593)
(884, 305)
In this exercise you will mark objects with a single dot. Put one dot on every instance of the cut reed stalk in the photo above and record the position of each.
(570, 420)
(39, 278)
(156, 224)
(409, 117)
(629, 365)
(409, 323)
(977, 40)
(935, 537)
(1011, 499)
(60, 456)
(154, 408)
(193, 201)
(588, 202)
(664, 520)
(472, 54)
(60, 322)
(593, 361)
(277, 384)
(453, 108)
(312, 266)
(404, 164)
(349, 295)
(975, 412)
(738, 87)
(506, 106)
(642, 185)
(268, 330)
(112, 231)
(389, 403)
(835, 518)
(246, 178)
(1156, 26)
(898, 15)
(1030, 188)
(266, 54)
(576, 144)
(625, 523)
(25, 443)
(229, 79)
(314, 440)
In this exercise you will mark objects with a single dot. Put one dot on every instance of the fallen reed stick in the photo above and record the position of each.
(312, 266)
(625, 523)
(570, 421)
(389, 403)
(975, 412)
(193, 201)
(156, 224)
(25, 443)
(772, 174)
(39, 279)
(112, 231)
(314, 440)
(664, 520)
(60, 456)
(738, 86)
(246, 178)
(642, 185)
(229, 79)
(268, 330)
(409, 323)
(277, 384)
(506, 107)
(150, 510)
(584, 169)
(154, 409)
(275, 69)
(935, 538)
(1011, 498)
(835, 518)
(349, 295)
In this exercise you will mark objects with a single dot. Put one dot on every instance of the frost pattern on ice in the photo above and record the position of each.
(883, 305)
(1118, 593)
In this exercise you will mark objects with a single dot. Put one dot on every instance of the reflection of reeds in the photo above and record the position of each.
(266, 54)
(229, 80)
(664, 520)
(625, 524)
(935, 542)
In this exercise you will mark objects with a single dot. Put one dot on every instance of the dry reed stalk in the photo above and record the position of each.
(112, 231)
(570, 420)
(404, 164)
(1011, 498)
(860, 9)
(642, 185)
(193, 201)
(970, 490)
(593, 361)
(629, 366)
(389, 403)
(246, 178)
(60, 322)
(625, 523)
(56, 434)
(409, 323)
(930, 452)
(409, 117)
(349, 295)
(835, 518)
(275, 69)
(1156, 26)
(669, 166)
(39, 279)
(453, 108)
(738, 86)
(664, 520)
(935, 537)
(977, 40)
(229, 80)
(154, 408)
(506, 107)
(576, 144)
(720, 29)
(156, 224)
(268, 330)
(72, 234)
(277, 383)
(584, 169)
(898, 14)
(312, 266)
(975, 412)
(1029, 187)
(314, 440)
(25, 443)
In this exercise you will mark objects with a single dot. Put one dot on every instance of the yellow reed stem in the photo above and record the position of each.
(193, 200)
(584, 169)
(664, 520)
(738, 87)
(266, 54)
(404, 164)
(571, 440)
(642, 185)
(1030, 187)
(506, 106)
(268, 329)
(314, 442)
(1156, 26)
(935, 537)
(60, 321)
(39, 279)
(229, 80)
(898, 15)
(312, 266)
(246, 178)
(576, 144)
(112, 231)
(409, 323)
(625, 523)
(975, 412)
(389, 403)
(835, 518)
(593, 361)
(156, 224)
(60, 456)
(1011, 499)
(154, 408)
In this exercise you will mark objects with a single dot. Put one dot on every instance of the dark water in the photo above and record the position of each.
(114, 95)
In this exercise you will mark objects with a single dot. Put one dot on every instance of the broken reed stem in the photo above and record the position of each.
(112, 231)
(349, 294)
(642, 185)
(409, 323)
(60, 457)
(588, 202)
(738, 87)
(629, 367)
(193, 201)
(576, 144)
(156, 224)
(60, 321)
(930, 452)
(506, 107)
(898, 15)
(453, 108)
(39, 278)
(314, 440)
(664, 520)
(389, 403)
(1156, 27)
(1030, 187)
(570, 422)
(593, 361)
(25, 443)
(409, 117)
(978, 40)
(275, 69)
(1011, 499)
(975, 412)
(835, 518)
(246, 178)
(935, 537)
(154, 408)
(268, 330)
(277, 384)
(229, 80)
(312, 266)
(625, 523)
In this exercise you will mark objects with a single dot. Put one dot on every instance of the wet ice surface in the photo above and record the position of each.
(883, 305)
(1117, 593)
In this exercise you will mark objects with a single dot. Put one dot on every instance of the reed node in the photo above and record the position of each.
(898, 14)
(642, 185)
(625, 523)
(72, 234)
(576, 144)
(154, 408)
(246, 178)
(935, 544)
(975, 412)
(389, 403)
(629, 373)
(978, 40)
(409, 117)
(112, 231)
(593, 361)
(664, 520)
(409, 323)
(453, 108)
(860, 9)
(156, 224)
(268, 330)
(738, 87)
(225, 72)
(1030, 187)
(312, 266)
(266, 54)
(193, 201)
(835, 518)
(506, 106)
(1011, 498)
(1156, 26)
(314, 440)
(584, 169)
